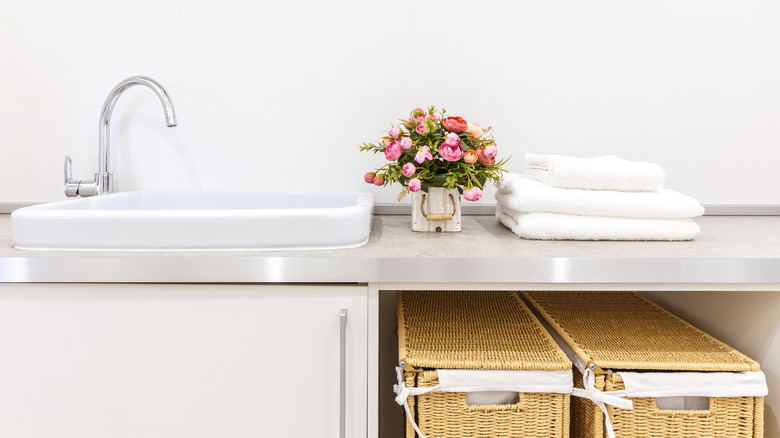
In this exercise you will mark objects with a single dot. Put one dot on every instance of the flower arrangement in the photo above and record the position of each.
(431, 150)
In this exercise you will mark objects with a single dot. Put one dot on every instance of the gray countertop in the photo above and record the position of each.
(729, 250)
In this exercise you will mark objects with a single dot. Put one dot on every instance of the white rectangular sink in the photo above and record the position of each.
(191, 221)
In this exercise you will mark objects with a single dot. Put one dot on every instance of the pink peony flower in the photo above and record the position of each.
(491, 151)
(475, 131)
(414, 185)
(417, 112)
(394, 132)
(423, 154)
(470, 156)
(472, 194)
(406, 143)
(369, 177)
(408, 170)
(422, 129)
(422, 119)
(450, 150)
(484, 159)
(455, 124)
(393, 151)
(386, 142)
(452, 140)
(378, 181)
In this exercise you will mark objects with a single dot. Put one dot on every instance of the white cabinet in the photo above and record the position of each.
(121, 360)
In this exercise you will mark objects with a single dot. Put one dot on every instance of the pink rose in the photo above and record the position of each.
(406, 143)
(452, 140)
(450, 150)
(470, 156)
(422, 129)
(455, 124)
(417, 112)
(369, 177)
(393, 151)
(414, 185)
(423, 154)
(484, 159)
(450, 153)
(408, 170)
(422, 119)
(491, 151)
(395, 132)
(475, 131)
(472, 194)
(378, 181)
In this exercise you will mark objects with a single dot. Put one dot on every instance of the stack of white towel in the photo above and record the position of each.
(604, 198)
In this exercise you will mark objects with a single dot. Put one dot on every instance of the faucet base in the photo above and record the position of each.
(105, 183)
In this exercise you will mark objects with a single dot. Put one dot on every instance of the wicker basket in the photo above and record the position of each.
(621, 332)
(477, 331)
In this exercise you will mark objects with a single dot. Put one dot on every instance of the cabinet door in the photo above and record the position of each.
(180, 361)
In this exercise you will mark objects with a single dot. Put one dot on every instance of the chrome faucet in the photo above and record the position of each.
(104, 180)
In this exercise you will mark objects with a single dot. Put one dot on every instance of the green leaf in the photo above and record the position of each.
(439, 179)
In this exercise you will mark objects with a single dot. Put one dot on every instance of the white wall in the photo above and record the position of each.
(276, 95)
(747, 321)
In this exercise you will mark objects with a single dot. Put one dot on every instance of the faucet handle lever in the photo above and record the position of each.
(71, 187)
(74, 188)
(68, 169)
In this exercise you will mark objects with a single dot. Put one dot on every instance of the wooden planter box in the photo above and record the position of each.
(438, 210)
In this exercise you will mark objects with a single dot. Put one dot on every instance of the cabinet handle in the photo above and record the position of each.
(343, 375)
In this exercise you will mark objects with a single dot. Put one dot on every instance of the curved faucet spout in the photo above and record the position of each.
(103, 177)
(103, 182)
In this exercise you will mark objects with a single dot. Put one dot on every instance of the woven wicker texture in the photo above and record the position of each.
(732, 417)
(622, 330)
(441, 414)
(473, 330)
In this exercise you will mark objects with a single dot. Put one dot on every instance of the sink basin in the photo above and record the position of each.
(197, 221)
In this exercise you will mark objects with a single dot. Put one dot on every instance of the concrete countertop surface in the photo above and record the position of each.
(735, 250)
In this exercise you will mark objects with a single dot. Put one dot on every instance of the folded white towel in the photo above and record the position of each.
(526, 195)
(601, 173)
(554, 226)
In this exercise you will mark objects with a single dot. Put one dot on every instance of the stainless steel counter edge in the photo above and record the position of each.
(496, 270)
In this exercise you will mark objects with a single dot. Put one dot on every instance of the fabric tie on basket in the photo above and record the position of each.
(559, 382)
(600, 173)
(601, 399)
(607, 204)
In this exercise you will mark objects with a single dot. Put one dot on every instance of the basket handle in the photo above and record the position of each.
(516, 406)
(682, 412)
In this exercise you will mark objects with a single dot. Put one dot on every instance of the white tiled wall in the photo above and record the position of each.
(276, 95)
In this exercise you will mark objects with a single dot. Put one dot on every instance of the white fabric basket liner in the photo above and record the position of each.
(559, 382)
(695, 384)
